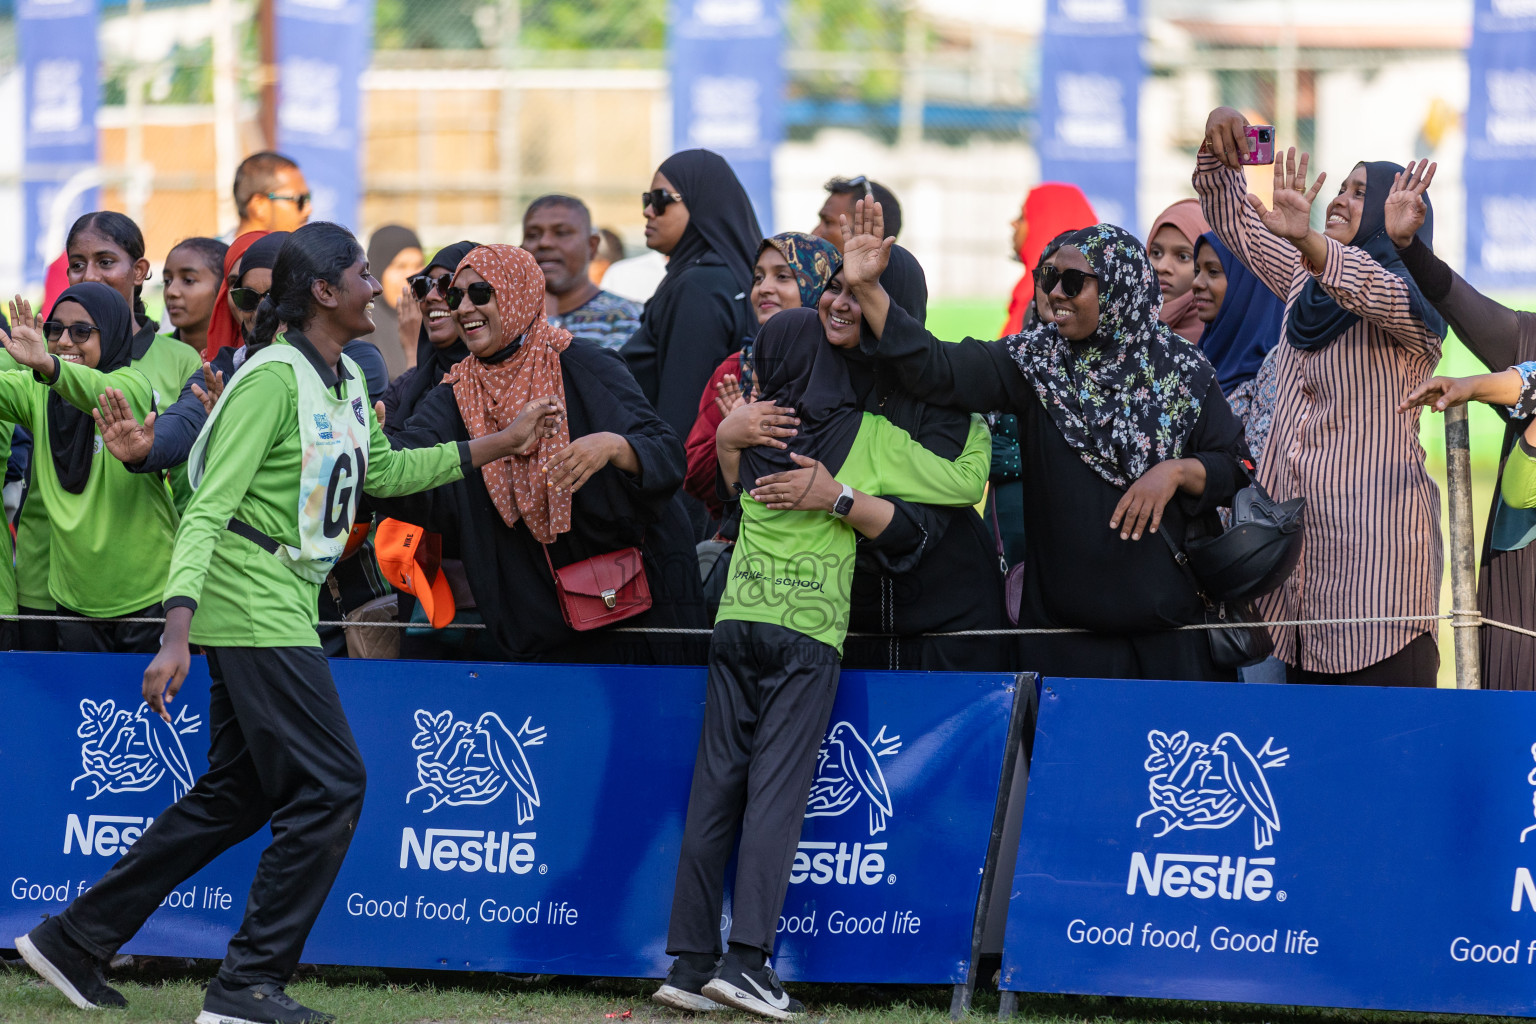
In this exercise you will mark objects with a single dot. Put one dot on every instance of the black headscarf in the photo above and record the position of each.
(798, 369)
(432, 362)
(904, 282)
(387, 243)
(720, 217)
(262, 255)
(72, 433)
(1316, 321)
(1128, 396)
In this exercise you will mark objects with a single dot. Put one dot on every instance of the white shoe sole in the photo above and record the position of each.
(208, 1017)
(680, 999)
(51, 974)
(723, 992)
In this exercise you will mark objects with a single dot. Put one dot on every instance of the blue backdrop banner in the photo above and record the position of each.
(524, 818)
(323, 48)
(1501, 145)
(56, 44)
(1324, 846)
(728, 87)
(1090, 84)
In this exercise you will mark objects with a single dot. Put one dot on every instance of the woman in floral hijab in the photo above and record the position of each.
(1123, 433)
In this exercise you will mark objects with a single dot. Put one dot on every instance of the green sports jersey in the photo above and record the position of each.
(795, 569)
(168, 364)
(110, 544)
(32, 541)
(242, 594)
(1519, 486)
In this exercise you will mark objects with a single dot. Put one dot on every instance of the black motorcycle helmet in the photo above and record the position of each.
(1257, 553)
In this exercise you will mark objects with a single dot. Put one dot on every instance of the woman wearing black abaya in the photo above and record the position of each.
(608, 480)
(1125, 435)
(934, 569)
(438, 345)
(699, 217)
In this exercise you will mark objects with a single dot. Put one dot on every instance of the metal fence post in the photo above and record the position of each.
(1464, 618)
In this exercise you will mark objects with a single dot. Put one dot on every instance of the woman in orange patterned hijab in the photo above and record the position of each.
(514, 359)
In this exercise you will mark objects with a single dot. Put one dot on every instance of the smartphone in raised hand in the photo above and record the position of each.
(1261, 145)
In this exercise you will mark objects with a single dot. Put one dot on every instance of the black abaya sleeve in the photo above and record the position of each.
(976, 376)
(435, 420)
(1499, 336)
(1218, 442)
(612, 402)
(678, 347)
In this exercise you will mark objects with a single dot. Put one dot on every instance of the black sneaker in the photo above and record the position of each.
(266, 1003)
(683, 989)
(50, 952)
(759, 991)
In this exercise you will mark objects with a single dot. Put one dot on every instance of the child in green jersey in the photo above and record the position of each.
(280, 470)
(774, 658)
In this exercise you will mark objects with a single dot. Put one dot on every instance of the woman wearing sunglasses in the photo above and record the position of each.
(92, 504)
(699, 217)
(438, 345)
(607, 481)
(1126, 435)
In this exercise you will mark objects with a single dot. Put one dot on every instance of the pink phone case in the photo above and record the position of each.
(1261, 145)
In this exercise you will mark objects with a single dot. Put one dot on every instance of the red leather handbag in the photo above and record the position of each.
(601, 590)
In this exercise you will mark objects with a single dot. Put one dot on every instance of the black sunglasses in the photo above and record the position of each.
(422, 285)
(1071, 281)
(246, 299)
(301, 201)
(658, 199)
(78, 333)
(480, 292)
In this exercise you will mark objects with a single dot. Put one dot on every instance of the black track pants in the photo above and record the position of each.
(769, 698)
(280, 751)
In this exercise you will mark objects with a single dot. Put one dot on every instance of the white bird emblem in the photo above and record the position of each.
(1200, 786)
(470, 765)
(847, 768)
(131, 753)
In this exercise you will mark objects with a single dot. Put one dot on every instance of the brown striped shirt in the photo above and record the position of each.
(1372, 544)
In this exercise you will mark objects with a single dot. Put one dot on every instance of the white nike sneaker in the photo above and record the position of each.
(736, 984)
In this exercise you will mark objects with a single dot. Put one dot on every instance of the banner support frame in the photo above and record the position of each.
(1021, 731)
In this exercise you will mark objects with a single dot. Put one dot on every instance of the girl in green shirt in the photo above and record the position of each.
(775, 654)
(92, 502)
(280, 468)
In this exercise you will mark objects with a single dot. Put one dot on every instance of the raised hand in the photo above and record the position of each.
(215, 388)
(1291, 219)
(128, 440)
(1406, 209)
(26, 343)
(1225, 136)
(866, 250)
(409, 312)
(728, 396)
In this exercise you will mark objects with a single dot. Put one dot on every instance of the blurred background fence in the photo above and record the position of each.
(472, 107)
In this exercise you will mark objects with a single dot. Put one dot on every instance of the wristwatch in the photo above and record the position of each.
(844, 503)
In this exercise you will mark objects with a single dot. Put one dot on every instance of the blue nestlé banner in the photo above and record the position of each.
(1326, 846)
(56, 44)
(323, 48)
(524, 818)
(1501, 145)
(1090, 83)
(728, 87)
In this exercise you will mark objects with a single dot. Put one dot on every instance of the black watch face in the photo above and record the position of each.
(844, 505)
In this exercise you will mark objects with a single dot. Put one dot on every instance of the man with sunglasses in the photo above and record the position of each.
(842, 193)
(557, 230)
(270, 194)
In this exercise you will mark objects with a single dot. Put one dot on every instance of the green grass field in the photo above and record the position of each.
(359, 996)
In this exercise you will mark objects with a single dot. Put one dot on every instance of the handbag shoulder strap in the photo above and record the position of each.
(997, 530)
(1182, 561)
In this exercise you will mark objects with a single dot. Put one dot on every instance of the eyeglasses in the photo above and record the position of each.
(844, 185)
(301, 200)
(1071, 281)
(658, 199)
(479, 292)
(422, 285)
(78, 333)
(246, 299)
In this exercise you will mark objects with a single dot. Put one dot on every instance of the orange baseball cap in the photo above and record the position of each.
(412, 560)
